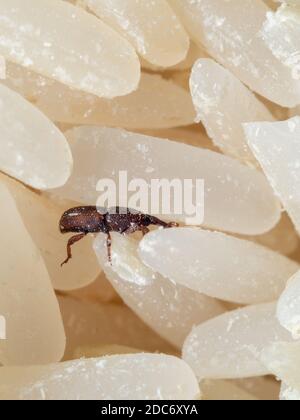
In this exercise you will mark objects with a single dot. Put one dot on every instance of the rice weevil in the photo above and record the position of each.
(90, 219)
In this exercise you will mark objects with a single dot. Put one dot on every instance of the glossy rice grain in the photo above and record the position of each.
(177, 309)
(92, 57)
(229, 346)
(217, 95)
(288, 309)
(125, 377)
(40, 217)
(217, 265)
(157, 103)
(35, 333)
(151, 26)
(36, 154)
(237, 198)
(276, 147)
(230, 32)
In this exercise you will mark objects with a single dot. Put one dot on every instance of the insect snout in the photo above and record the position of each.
(172, 225)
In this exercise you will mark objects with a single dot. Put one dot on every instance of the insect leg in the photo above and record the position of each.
(131, 230)
(145, 230)
(108, 243)
(71, 242)
(165, 225)
(172, 225)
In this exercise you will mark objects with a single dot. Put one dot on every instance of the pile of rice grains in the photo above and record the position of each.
(177, 89)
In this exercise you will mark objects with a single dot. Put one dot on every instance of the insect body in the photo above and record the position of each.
(90, 219)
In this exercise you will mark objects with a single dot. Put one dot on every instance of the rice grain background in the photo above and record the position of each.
(163, 89)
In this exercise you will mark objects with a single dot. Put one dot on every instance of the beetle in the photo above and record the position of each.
(91, 219)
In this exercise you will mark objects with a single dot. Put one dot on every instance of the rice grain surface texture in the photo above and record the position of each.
(187, 111)
(92, 57)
